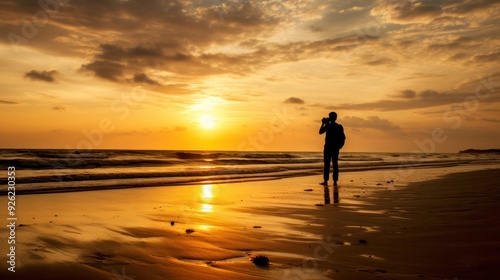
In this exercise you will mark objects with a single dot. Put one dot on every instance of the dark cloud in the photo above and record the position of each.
(407, 93)
(139, 56)
(115, 62)
(6, 102)
(420, 75)
(294, 100)
(374, 122)
(430, 94)
(470, 6)
(408, 11)
(108, 70)
(380, 61)
(386, 105)
(46, 76)
(143, 78)
(80, 23)
(484, 89)
(493, 57)
(458, 56)
(484, 85)
(124, 65)
(491, 120)
(456, 44)
(59, 108)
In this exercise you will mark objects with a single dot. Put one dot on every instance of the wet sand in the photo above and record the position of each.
(443, 225)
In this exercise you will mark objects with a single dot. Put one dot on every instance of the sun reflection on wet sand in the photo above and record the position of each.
(206, 208)
(205, 227)
(206, 195)
(207, 192)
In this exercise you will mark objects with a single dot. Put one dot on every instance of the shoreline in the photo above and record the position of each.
(225, 179)
(407, 229)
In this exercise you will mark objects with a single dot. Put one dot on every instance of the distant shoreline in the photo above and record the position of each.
(474, 151)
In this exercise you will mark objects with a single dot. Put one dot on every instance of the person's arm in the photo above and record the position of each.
(322, 129)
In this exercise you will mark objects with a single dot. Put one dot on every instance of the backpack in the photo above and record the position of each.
(336, 136)
(340, 136)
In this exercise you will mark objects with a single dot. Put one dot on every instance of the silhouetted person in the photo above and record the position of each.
(334, 141)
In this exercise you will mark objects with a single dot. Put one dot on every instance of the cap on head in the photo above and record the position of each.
(333, 116)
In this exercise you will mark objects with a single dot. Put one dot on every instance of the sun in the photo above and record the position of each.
(207, 121)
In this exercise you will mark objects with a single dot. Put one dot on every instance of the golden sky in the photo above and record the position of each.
(403, 76)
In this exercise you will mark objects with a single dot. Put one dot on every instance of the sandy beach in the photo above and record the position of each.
(442, 225)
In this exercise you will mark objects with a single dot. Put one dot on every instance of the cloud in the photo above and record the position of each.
(105, 69)
(59, 108)
(373, 122)
(174, 89)
(459, 43)
(407, 93)
(471, 6)
(397, 105)
(491, 120)
(143, 78)
(420, 75)
(122, 64)
(294, 100)
(493, 57)
(118, 53)
(428, 98)
(352, 9)
(380, 61)
(117, 71)
(46, 76)
(6, 102)
(484, 89)
(130, 41)
(407, 11)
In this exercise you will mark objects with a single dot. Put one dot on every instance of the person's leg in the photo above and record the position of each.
(326, 170)
(335, 162)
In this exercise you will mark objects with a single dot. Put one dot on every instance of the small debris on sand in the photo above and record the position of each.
(308, 190)
(257, 227)
(172, 223)
(260, 260)
(379, 184)
(189, 230)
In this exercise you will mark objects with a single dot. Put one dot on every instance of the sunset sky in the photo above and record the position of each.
(403, 76)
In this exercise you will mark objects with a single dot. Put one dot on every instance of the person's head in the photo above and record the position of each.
(333, 116)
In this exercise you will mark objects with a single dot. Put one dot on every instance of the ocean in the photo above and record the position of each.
(46, 171)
